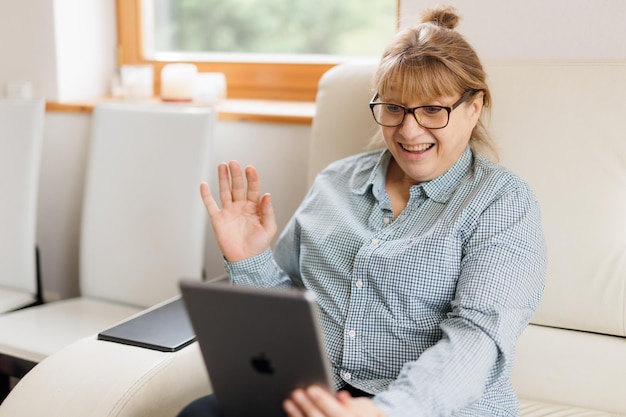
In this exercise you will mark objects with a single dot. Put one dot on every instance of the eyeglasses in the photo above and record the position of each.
(430, 117)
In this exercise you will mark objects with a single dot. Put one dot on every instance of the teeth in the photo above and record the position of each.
(417, 148)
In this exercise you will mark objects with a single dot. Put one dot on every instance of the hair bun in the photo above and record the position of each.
(444, 16)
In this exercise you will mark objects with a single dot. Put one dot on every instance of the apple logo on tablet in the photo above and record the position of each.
(262, 364)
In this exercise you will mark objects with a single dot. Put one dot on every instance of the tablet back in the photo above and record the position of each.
(165, 328)
(258, 344)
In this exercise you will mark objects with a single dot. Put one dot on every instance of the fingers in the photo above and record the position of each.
(314, 402)
(207, 199)
(344, 397)
(301, 404)
(233, 186)
(267, 213)
(223, 178)
(238, 184)
(254, 188)
(292, 409)
(326, 402)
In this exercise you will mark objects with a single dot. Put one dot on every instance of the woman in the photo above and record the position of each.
(427, 259)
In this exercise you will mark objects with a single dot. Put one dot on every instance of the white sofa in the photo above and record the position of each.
(559, 125)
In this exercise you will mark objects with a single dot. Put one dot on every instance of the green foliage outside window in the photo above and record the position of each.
(328, 27)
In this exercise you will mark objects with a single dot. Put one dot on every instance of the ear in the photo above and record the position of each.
(476, 106)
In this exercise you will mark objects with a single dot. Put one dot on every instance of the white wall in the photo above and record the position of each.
(86, 48)
(27, 45)
(64, 48)
(536, 29)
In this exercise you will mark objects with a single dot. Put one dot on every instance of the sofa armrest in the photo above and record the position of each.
(98, 378)
(571, 368)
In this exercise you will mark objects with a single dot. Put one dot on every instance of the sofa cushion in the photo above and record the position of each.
(539, 409)
(559, 126)
(581, 369)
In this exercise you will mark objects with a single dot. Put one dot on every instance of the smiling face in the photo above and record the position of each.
(431, 65)
(421, 154)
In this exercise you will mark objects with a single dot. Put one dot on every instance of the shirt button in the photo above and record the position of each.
(347, 376)
(352, 334)
(359, 284)
(375, 241)
(386, 220)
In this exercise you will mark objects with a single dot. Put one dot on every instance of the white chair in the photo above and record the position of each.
(143, 227)
(21, 134)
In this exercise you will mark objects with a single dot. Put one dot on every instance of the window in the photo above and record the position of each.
(268, 49)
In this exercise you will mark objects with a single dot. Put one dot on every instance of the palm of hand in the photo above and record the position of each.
(245, 225)
(241, 230)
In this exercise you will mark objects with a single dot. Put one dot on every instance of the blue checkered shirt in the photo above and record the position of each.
(423, 310)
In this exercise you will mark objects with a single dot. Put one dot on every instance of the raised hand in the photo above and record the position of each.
(245, 225)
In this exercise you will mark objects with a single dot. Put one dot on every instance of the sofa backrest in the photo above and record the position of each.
(343, 123)
(559, 125)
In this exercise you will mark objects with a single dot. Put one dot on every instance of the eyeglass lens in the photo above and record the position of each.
(431, 117)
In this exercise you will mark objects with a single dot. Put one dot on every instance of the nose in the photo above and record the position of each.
(410, 127)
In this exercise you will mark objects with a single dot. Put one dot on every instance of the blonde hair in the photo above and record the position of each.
(431, 60)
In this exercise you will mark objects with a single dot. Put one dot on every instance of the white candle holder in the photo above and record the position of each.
(178, 82)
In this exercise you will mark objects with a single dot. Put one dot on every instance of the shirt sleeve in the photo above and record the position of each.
(500, 285)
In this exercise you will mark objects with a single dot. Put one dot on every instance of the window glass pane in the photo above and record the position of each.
(320, 27)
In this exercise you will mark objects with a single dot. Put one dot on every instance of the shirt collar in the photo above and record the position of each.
(439, 189)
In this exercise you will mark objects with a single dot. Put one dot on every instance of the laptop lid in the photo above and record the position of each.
(258, 344)
(165, 328)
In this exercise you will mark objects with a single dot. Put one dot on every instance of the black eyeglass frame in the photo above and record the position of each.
(406, 110)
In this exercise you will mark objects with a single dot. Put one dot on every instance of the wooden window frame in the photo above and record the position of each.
(249, 80)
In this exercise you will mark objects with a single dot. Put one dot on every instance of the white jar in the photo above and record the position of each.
(210, 87)
(178, 82)
(137, 82)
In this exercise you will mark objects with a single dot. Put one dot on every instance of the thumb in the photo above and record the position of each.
(207, 199)
(267, 213)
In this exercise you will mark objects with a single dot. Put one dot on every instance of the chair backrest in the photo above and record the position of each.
(143, 222)
(343, 123)
(21, 137)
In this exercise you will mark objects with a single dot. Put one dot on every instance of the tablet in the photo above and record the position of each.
(258, 344)
(165, 328)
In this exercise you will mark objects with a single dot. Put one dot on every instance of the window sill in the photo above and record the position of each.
(268, 111)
